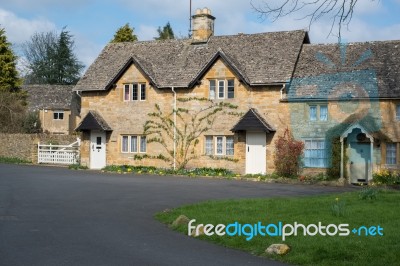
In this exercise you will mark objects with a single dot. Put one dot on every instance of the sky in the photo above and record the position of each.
(94, 22)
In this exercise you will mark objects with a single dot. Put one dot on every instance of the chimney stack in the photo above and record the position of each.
(203, 25)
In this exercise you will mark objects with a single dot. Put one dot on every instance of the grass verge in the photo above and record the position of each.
(13, 160)
(356, 210)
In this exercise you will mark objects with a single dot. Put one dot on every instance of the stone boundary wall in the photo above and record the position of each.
(24, 146)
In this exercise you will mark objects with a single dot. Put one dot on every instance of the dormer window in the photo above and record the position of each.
(222, 89)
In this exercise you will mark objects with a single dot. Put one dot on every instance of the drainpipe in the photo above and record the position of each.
(174, 110)
(43, 119)
(283, 87)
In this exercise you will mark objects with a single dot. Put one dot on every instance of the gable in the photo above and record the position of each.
(132, 74)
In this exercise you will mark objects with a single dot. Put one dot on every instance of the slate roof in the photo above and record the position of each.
(265, 58)
(253, 121)
(93, 121)
(355, 70)
(51, 97)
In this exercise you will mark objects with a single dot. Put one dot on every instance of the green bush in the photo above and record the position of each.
(386, 177)
(368, 193)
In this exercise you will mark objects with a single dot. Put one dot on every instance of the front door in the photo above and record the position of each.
(360, 159)
(97, 150)
(256, 153)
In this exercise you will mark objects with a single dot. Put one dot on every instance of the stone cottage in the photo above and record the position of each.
(272, 79)
(58, 107)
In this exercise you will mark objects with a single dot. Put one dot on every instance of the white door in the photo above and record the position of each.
(256, 153)
(97, 150)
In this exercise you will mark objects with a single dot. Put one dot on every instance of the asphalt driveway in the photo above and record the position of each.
(56, 216)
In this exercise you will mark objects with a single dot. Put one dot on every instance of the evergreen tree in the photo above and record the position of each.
(124, 34)
(12, 100)
(166, 32)
(51, 59)
(9, 80)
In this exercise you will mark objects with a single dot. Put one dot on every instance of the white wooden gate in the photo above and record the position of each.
(59, 154)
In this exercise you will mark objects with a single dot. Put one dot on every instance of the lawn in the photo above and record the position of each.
(382, 210)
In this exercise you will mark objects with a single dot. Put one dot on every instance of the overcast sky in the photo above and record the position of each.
(94, 22)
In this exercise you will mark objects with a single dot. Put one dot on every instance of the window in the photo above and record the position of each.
(125, 140)
(209, 145)
(313, 113)
(126, 92)
(229, 146)
(391, 152)
(219, 148)
(58, 115)
(318, 112)
(133, 144)
(219, 145)
(222, 89)
(231, 89)
(135, 92)
(315, 154)
(398, 112)
(142, 92)
(212, 89)
(143, 144)
(323, 113)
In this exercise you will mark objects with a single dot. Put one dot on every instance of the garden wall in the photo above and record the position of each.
(24, 146)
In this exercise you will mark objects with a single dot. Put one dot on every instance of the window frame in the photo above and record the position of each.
(318, 113)
(398, 111)
(393, 152)
(308, 159)
(213, 149)
(143, 92)
(221, 89)
(209, 145)
(127, 87)
(57, 114)
(137, 92)
(130, 140)
(134, 92)
(219, 82)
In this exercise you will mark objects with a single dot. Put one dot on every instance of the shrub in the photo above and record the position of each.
(333, 172)
(368, 193)
(287, 155)
(32, 123)
(386, 177)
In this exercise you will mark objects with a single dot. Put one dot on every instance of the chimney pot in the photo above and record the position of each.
(203, 25)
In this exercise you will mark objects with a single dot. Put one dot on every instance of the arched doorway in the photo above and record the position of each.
(360, 153)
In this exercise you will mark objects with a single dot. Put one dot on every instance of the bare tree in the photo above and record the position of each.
(341, 11)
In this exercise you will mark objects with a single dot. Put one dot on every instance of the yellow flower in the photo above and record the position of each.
(337, 199)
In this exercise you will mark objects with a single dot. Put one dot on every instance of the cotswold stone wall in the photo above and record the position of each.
(24, 146)
(128, 118)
